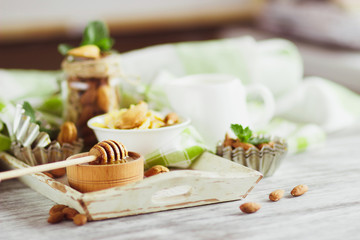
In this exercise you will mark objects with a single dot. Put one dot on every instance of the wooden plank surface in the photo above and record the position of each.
(329, 210)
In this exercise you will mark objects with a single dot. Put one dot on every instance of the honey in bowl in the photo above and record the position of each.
(113, 166)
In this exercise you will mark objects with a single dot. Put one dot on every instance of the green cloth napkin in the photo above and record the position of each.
(180, 152)
(33, 85)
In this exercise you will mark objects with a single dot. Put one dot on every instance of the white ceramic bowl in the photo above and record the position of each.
(143, 141)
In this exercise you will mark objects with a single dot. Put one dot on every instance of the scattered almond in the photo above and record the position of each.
(68, 133)
(156, 170)
(276, 195)
(58, 172)
(59, 212)
(250, 207)
(56, 208)
(56, 217)
(80, 219)
(299, 190)
(70, 213)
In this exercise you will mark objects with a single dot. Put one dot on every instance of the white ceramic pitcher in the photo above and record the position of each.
(215, 101)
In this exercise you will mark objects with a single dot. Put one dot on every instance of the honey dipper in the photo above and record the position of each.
(105, 152)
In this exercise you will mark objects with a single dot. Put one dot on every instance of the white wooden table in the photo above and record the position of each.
(329, 210)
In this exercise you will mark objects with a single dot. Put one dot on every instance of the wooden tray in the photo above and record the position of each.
(210, 179)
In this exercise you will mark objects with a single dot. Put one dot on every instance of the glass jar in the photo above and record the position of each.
(92, 88)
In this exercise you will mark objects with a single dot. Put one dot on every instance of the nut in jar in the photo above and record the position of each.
(91, 71)
(92, 89)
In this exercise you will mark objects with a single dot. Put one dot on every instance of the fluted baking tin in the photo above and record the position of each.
(267, 160)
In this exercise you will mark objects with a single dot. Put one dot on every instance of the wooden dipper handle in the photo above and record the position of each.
(45, 167)
(104, 152)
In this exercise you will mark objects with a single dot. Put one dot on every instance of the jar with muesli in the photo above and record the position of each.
(91, 89)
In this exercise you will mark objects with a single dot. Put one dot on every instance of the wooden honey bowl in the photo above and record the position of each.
(89, 178)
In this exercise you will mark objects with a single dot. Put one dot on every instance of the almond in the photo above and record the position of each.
(56, 208)
(250, 207)
(86, 51)
(58, 172)
(80, 219)
(156, 170)
(89, 96)
(56, 217)
(276, 195)
(228, 141)
(103, 98)
(245, 146)
(86, 113)
(299, 190)
(68, 133)
(171, 119)
(70, 213)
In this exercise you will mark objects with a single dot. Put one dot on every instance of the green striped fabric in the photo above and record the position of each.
(180, 152)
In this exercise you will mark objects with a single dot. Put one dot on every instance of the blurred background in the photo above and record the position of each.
(327, 32)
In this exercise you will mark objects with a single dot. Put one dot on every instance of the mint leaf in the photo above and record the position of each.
(5, 143)
(105, 44)
(29, 111)
(237, 130)
(97, 33)
(94, 31)
(242, 134)
(245, 135)
(44, 127)
(64, 48)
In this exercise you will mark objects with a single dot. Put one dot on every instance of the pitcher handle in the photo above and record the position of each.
(260, 120)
